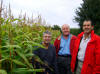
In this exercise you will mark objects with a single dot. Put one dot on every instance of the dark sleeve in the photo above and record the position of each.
(54, 61)
(36, 52)
(34, 62)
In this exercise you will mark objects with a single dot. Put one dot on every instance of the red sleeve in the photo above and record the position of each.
(97, 55)
(72, 44)
(55, 44)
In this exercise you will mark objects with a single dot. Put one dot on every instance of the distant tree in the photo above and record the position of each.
(75, 31)
(56, 27)
(90, 9)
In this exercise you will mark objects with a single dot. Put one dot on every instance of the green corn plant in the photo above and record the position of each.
(17, 43)
(1, 8)
(3, 72)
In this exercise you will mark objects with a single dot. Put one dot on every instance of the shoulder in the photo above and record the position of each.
(73, 36)
(52, 46)
(37, 50)
(59, 37)
(96, 37)
(57, 41)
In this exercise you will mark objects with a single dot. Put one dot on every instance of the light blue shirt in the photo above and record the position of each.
(64, 46)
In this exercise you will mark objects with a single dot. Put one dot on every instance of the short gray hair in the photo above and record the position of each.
(65, 25)
(46, 32)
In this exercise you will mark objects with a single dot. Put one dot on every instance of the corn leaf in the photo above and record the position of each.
(18, 62)
(24, 58)
(3, 72)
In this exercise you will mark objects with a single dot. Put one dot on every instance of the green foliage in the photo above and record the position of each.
(90, 9)
(98, 32)
(75, 31)
(3, 72)
(56, 27)
(17, 41)
(17, 45)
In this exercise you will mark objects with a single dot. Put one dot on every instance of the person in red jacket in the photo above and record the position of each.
(86, 53)
(64, 47)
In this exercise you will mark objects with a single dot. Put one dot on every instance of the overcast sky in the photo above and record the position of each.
(53, 11)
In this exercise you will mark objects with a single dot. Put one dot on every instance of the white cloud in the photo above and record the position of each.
(53, 11)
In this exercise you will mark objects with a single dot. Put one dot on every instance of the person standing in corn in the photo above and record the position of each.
(47, 55)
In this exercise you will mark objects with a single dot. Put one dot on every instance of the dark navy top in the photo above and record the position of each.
(48, 56)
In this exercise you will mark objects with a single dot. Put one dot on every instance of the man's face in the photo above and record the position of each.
(46, 38)
(87, 27)
(65, 30)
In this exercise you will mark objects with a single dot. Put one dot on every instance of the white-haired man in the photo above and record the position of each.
(64, 47)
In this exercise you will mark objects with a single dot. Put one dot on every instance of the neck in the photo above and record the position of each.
(45, 45)
(65, 36)
(86, 35)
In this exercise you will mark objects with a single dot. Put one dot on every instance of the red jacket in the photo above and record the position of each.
(57, 44)
(91, 64)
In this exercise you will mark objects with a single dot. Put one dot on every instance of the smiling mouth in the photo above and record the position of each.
(86, 29)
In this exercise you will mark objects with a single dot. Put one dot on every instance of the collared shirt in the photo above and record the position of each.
(82, 48)
(64, 46)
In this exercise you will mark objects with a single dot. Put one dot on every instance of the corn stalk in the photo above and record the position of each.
(0, 28)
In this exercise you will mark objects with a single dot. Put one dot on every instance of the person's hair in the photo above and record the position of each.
(88, 20)
(46, 32)
(66, 25)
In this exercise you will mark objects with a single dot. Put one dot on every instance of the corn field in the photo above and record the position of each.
(17, 41)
